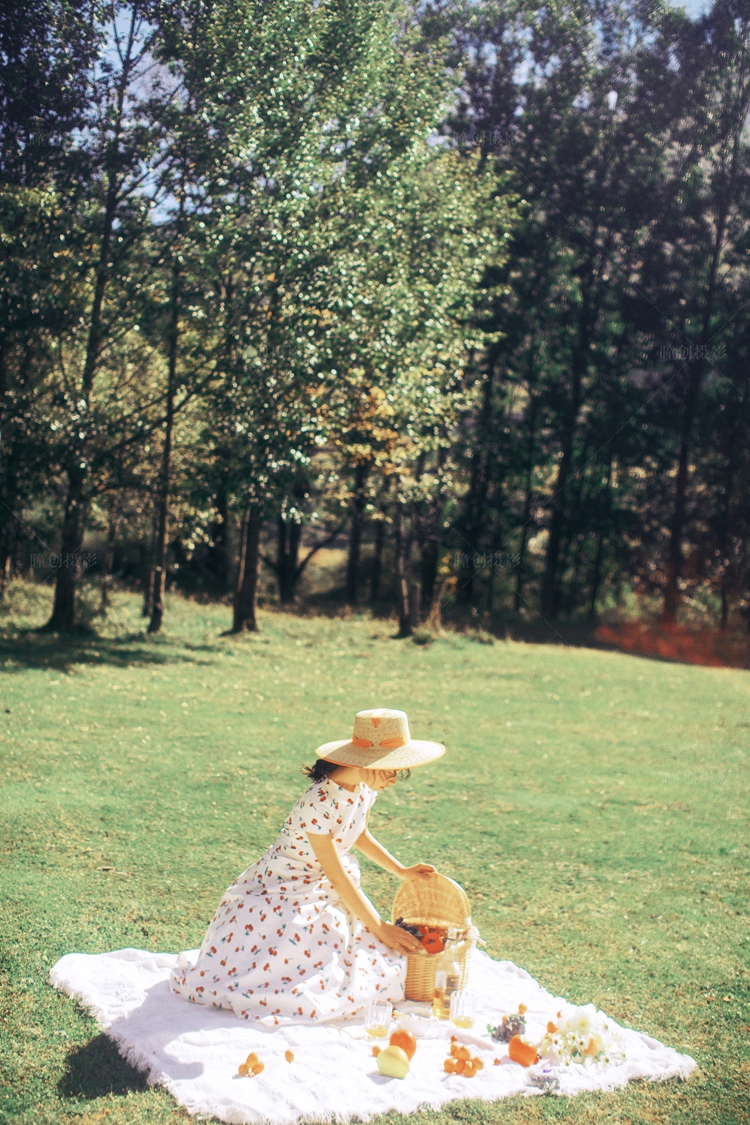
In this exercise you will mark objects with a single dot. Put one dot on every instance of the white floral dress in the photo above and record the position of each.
(282, 947)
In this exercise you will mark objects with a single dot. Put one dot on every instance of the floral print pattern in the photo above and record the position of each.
(282, 947)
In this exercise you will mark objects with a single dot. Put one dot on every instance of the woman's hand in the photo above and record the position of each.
(417, 869)
(395, 937)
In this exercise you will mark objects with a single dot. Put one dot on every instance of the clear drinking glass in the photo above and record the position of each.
(378, 1018)
(463, 1008)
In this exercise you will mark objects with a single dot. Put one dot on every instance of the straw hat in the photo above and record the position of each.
(381, 741)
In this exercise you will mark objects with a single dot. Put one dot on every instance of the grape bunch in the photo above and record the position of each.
(510, 1026)
(409, 928)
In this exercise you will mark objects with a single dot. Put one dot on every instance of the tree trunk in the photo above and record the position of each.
(587, 318)
(596, 577)
(477, 492)
(677, 523)
(557, 522)
(221, 542)
(246, 590)
(435, 615)
(6, 553)
(149, 573)
(724, 592)
(377, 561)
(724, 533)
(527, 501)
(562, 565)
(288, 536)
(5, 570)
(415, 604)
(9, 492)
(571, 600)
(490, 590)
(402, 588)
(63, 608)
(376, 574)
(695, 378)
(162, 544)
(109, 555)
(429, 565)
(355, 535)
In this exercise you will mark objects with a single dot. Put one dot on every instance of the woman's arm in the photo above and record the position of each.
(355, 901)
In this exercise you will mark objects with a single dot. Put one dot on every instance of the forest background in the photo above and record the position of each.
(459, 289)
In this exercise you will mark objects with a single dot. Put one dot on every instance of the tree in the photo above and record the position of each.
(46, 54)
(104, 175)
(709, 201)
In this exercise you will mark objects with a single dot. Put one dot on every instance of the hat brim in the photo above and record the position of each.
(417, 752)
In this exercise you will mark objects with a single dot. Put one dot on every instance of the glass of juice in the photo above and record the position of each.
(378, 1018)
(463, 1008)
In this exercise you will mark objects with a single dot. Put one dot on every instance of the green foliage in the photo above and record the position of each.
(427, 273)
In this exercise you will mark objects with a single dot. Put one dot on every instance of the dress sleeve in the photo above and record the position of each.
(317, 811)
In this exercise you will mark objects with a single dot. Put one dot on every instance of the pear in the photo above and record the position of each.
(393, 1062)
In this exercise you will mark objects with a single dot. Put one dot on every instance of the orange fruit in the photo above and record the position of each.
(449, 1066)
(289, 1056)
(258, 1067)
(463, 1053)
(460, 1066)
(470, 1070)
(522, 1052)
(522, 1008)
(405, 1040)
(251, 1058)
(376, 1051)
(242, 1069)
(478, 1064)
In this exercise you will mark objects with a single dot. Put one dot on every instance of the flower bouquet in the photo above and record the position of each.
(581, 1035)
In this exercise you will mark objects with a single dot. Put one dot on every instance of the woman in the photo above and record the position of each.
(295, 939)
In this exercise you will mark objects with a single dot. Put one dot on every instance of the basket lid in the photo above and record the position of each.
(432, 901)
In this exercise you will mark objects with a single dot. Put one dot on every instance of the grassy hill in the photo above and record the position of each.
(594, 805)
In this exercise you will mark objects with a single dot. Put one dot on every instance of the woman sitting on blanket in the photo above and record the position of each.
(295, 939)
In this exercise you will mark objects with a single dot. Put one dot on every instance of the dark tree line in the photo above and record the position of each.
(462, 287)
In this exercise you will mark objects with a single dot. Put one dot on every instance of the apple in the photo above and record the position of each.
(393, 1062)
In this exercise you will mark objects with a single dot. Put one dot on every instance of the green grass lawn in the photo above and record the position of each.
(594, 806)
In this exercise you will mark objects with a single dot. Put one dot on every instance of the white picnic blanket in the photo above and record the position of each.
(195, 1051)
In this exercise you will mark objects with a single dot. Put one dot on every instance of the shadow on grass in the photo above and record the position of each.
(58, 652)
(97, 1069)
(574, 633)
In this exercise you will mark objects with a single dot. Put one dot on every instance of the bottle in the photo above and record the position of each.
(447, 977)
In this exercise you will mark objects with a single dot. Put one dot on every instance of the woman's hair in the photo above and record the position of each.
(322, 769)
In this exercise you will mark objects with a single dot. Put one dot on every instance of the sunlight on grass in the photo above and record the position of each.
(594, 806)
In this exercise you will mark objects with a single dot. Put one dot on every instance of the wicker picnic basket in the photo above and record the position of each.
(439, 902)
